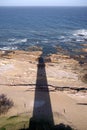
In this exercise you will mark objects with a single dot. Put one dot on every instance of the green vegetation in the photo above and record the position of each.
(22, 122)
(15, 122)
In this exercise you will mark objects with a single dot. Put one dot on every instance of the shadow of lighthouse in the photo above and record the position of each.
(42, 111)
(42, 118)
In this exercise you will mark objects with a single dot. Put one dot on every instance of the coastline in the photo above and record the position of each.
(18, 73)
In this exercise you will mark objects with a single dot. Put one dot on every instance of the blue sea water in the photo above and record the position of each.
(47, 27)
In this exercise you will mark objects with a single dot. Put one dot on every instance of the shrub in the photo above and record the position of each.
(5, 104)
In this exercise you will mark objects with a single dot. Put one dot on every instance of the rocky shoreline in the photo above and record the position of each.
(67, 82)
(59, 67)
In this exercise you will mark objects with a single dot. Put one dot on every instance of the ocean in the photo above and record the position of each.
(46, 27)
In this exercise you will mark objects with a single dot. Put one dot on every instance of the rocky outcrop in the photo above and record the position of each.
(21, 55)
(84, 49)
(34, 48)
(60, 68)
(85, 45)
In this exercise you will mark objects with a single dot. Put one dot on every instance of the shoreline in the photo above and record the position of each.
(18, 74)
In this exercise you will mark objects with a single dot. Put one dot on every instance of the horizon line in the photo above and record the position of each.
(43, 5)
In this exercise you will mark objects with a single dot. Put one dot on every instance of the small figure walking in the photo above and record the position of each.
(24, 105)
(64, 110)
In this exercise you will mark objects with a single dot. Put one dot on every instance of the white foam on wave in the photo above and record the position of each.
(80, 40)
(8, 48)
(24, 40)
(62, 37)
(16, 41)
(11, 39)
(81, 32)
(45, 41)
(67, 39)
(80, 35)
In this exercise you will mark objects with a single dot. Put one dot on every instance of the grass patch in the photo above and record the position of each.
(3, 128)
(14, 122)
(17, 126)
(33, 124)
(12, 117)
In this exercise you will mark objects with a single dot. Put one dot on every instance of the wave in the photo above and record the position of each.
(16, 41)
(80, 40)
(45, 41)
(8, 48)
(62, 37)
(81, 33)
(11, 39)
